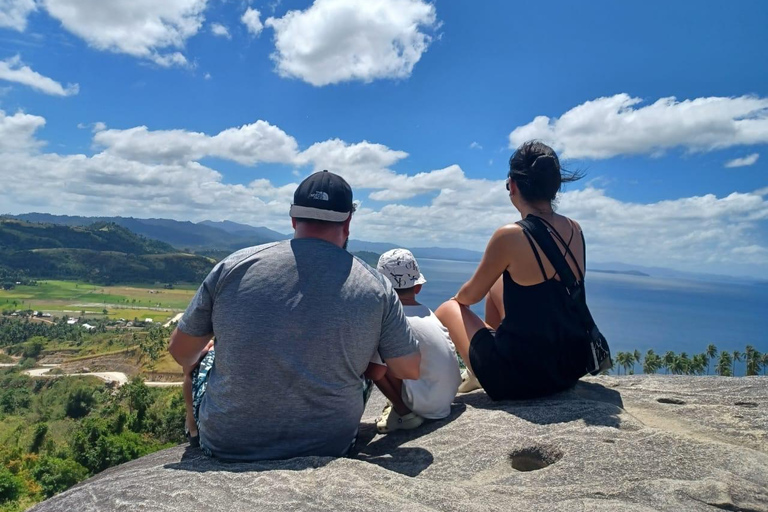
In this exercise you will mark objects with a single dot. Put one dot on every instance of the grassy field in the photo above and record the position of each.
(73, 298)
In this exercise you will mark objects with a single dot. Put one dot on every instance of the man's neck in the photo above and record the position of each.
(327, 235)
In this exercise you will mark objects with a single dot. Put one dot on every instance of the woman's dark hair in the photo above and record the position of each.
(536, 170)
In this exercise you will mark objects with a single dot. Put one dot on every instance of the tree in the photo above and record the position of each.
(682, 364)
(56, 475)
(753, 359)
(652, 362)
(79, 402)
(11, 486)
(764, 361)
(139, 399)
(724, 364)
(636, 358)
(38, 436)
(625, 360)
(699, 363)
(669, 360)
(736, 358)
(678, 365)
(711, 354)
(154, 344)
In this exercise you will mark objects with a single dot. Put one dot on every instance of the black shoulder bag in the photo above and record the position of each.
(598, 357)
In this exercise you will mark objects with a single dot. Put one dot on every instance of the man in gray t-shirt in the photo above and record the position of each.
(296, 323)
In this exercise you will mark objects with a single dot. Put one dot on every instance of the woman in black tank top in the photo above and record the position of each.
(531, 342)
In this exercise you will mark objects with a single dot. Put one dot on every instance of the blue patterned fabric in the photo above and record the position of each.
(199, 385)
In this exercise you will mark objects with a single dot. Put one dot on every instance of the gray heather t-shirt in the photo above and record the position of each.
(296, 324)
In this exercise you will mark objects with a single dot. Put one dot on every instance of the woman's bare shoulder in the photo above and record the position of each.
(575, 224)
(508, 232)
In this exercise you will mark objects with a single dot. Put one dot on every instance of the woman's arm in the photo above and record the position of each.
(495, 260)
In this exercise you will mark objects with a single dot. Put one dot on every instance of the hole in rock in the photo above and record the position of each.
(746, 404)
(674, 401)
(531, 459)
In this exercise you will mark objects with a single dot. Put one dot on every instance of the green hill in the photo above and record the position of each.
(217, 236)
(102, 252)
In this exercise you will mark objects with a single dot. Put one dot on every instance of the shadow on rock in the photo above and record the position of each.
(386, 450)
(196, 461)
(593, 403)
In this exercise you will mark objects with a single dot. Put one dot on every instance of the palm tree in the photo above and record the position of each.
(636, 357)
(711, 354)
(652, 362)
(684, 363)
(724, 364)
(625, 360)
(764, 361)
(699, 363)
(669, 360)
(736, 357)
(753, 359)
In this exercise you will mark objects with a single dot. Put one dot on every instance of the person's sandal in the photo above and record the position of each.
(468, 382)
(391, 421)
(194, 441)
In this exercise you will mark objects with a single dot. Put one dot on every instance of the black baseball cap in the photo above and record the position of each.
(323, 196)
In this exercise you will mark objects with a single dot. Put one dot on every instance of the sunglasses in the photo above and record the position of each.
(507, 183)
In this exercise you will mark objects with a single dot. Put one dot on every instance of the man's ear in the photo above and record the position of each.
(293, 222)
(346, 226)
(417, 289)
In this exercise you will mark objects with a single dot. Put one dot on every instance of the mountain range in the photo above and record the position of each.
(216, 238)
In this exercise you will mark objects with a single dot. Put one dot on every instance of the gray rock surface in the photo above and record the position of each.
(637, 443)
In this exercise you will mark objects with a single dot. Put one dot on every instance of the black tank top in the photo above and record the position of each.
(541, 334)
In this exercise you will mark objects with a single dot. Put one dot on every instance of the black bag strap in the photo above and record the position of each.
(575, 288)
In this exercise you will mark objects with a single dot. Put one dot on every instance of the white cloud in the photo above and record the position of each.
(616, 125)
(342, 40)
(220, 30)
(252, 20)
(743, 162)
(17, 132)
(207, 76)
(154, 173)
(475, 145)
(249, 144)
(363, 164)
(142, 28)
(13, 13)
(13, 70)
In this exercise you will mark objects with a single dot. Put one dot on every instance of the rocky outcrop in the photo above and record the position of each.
(638, 443)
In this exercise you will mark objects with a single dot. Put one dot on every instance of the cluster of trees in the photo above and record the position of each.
(697, 364)
(57, 432)
(15, 332)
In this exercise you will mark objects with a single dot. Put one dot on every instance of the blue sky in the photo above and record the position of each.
(195, 109)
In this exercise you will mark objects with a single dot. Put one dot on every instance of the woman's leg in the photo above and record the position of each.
(494, 304)
(462, 325)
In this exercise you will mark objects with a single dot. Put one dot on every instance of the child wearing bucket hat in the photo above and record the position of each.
(430, 397)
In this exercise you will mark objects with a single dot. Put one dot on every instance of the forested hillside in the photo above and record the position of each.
(221, 236)
(103, 252)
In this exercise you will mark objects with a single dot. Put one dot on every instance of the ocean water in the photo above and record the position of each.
(637, 312)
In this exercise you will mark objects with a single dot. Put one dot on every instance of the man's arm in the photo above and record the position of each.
(187, 350)
(405, 367)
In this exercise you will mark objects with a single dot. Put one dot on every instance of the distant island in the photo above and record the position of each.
(623, 272)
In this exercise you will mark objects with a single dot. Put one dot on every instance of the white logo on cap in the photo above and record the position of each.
(319, 195)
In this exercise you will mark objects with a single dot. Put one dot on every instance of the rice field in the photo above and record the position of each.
(75, 298)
